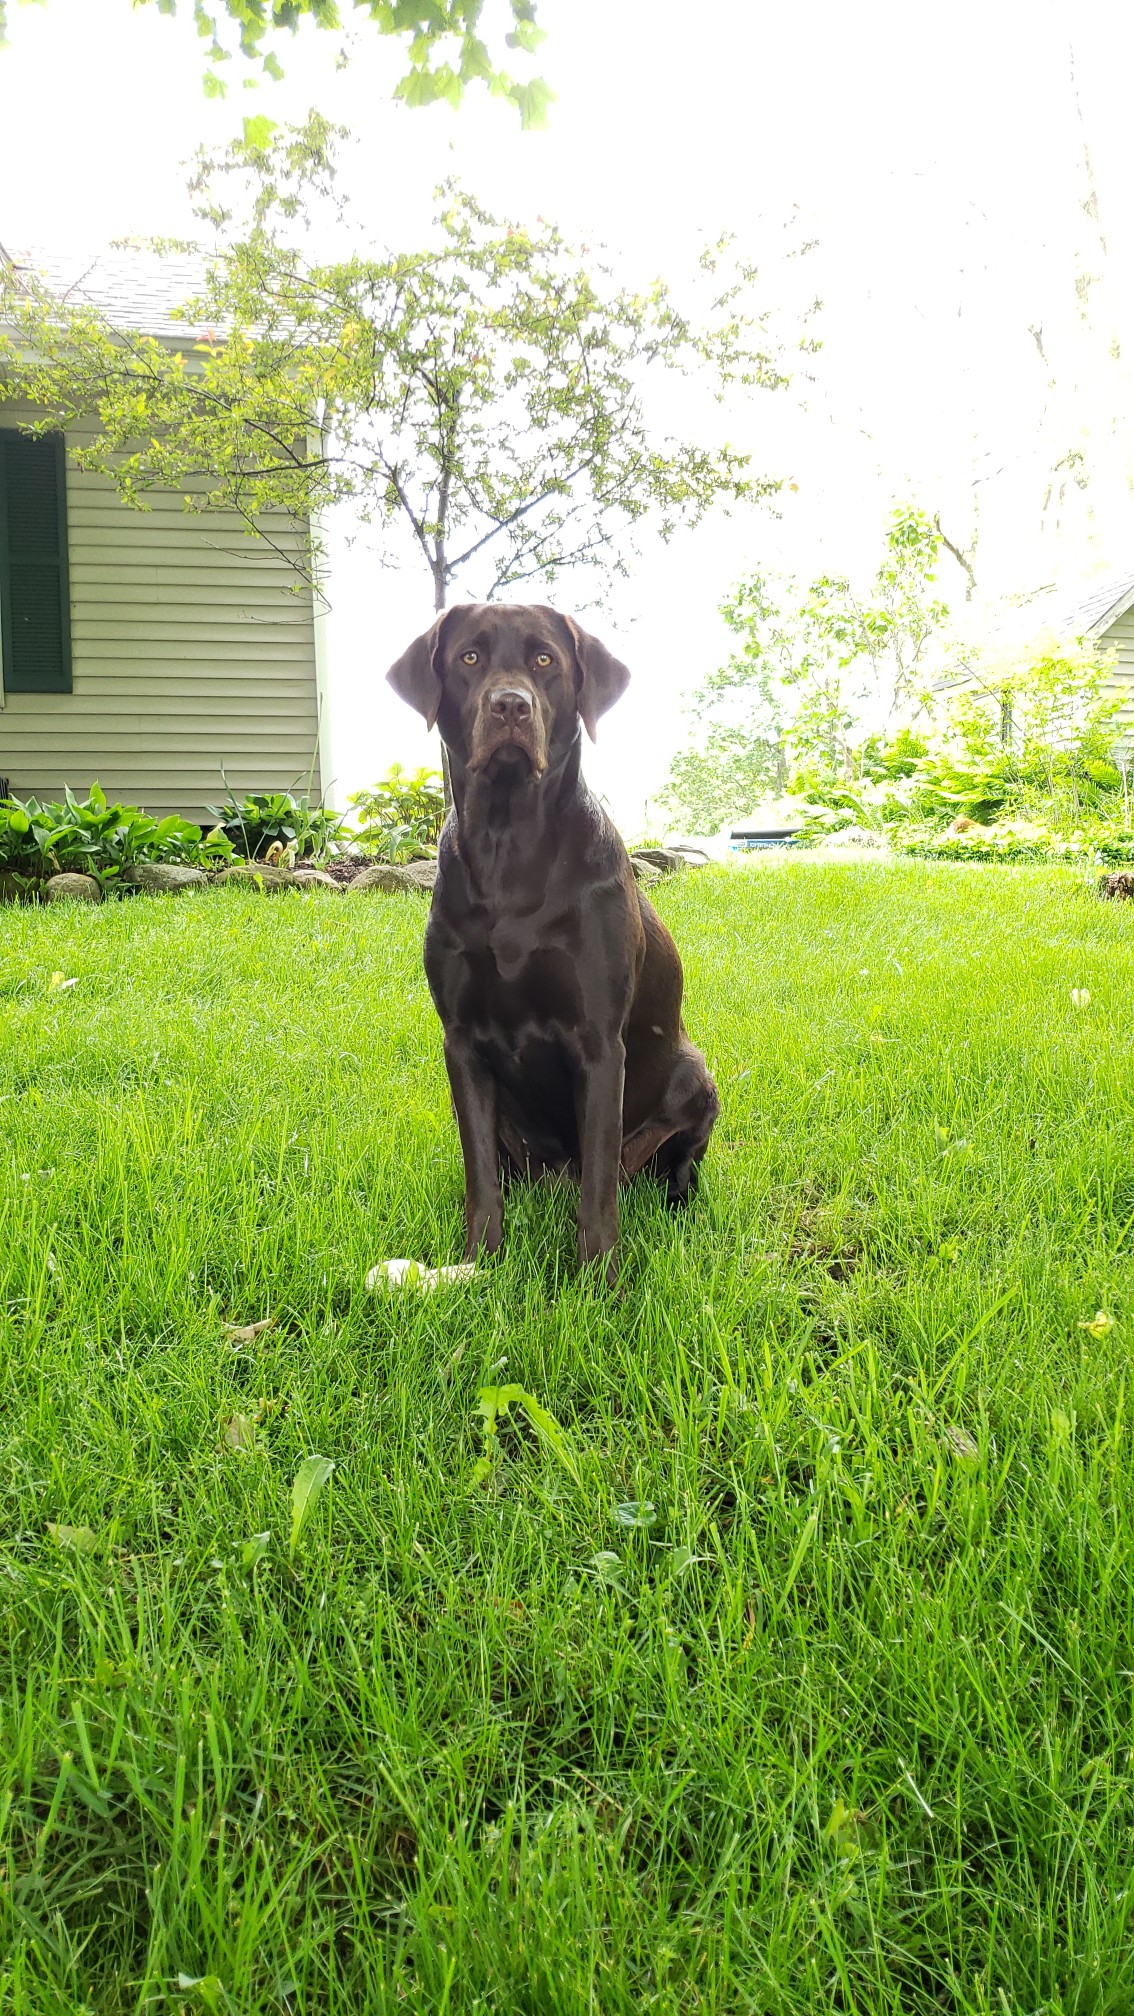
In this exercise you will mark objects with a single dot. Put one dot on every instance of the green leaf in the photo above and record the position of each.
(209, 1987)
(310, 1482)
(847, 1830)
(107, 1673)
(475, 60)
(494, 1400)
(526, 36)
(254, 1550)
(549, 1431)
(81, 1539)
(258, 130)
(608, 1568)
(416, 88)
(418, 17)
(533, 102)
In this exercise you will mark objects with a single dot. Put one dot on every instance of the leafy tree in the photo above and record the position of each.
(446, 52)
(809, 666)
(721, 779)
(486, 394)
(892, 630)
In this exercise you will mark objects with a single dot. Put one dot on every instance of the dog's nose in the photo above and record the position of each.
(510, 705)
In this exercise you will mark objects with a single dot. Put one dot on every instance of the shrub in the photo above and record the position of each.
(89, 836)
(402, 815)
(1017, 842)
(983, 844)
(1114, 850)
(261, 819)
(948, 784)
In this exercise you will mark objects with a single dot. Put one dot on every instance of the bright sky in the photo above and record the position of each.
(976, 310)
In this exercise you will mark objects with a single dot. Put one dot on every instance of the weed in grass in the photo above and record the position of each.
(785, 1663)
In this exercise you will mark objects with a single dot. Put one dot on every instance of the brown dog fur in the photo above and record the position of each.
(557, 984)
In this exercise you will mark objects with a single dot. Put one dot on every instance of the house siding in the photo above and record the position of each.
(193, 650)
(1120, 639)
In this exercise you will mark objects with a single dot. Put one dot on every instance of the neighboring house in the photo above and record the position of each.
(1107, 616)
(146, 650)
(1103, 615)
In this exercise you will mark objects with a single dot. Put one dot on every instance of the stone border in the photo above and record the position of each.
(167, 878)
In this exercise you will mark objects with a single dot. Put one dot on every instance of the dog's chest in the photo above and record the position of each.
(520, 975)
(518, 947)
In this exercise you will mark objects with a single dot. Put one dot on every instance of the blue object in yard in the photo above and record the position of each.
(743, 838)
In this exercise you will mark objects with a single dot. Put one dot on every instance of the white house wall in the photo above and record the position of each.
(1120, 639)
(193, 650)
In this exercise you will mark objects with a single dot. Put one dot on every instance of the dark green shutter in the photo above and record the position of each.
(35, 595)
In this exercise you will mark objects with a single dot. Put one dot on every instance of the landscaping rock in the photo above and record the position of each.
(260, 875)
(72, 889)
(314, 878)
(1119, 887)
(667, 860)
(644, 871)
(163, 878)
(384, 876)
(412, 877)
(856, 836)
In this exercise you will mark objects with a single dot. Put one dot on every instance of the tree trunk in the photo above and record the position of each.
(439, 594)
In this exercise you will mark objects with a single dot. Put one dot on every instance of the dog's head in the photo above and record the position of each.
(508, 686)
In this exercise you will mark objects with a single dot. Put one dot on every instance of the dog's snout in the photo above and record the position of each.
(511, 705)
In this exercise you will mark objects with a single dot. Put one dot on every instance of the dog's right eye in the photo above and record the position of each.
(469, 657)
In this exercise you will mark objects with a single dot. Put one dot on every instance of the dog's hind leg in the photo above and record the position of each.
(640, 1148)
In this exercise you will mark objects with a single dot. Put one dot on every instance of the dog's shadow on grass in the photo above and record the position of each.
(541, 1238)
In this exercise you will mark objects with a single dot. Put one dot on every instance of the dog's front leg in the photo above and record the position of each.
(598, 1096)
(474, 1101)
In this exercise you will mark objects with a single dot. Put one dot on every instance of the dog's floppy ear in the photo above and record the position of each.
(413, 676)
(603, 678)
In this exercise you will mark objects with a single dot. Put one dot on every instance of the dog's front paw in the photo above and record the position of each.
(598, 1264)
(484, 1236)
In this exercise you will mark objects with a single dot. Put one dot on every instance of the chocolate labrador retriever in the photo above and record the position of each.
(557, 984)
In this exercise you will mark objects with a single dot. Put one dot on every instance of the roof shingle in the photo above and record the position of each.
(134, 289)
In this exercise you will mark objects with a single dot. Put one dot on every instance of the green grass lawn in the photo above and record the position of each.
(795, 1675)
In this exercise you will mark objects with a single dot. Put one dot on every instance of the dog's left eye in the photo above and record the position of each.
(543, 658)
(469, 657)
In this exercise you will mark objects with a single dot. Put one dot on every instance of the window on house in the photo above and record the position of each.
(35, 596)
